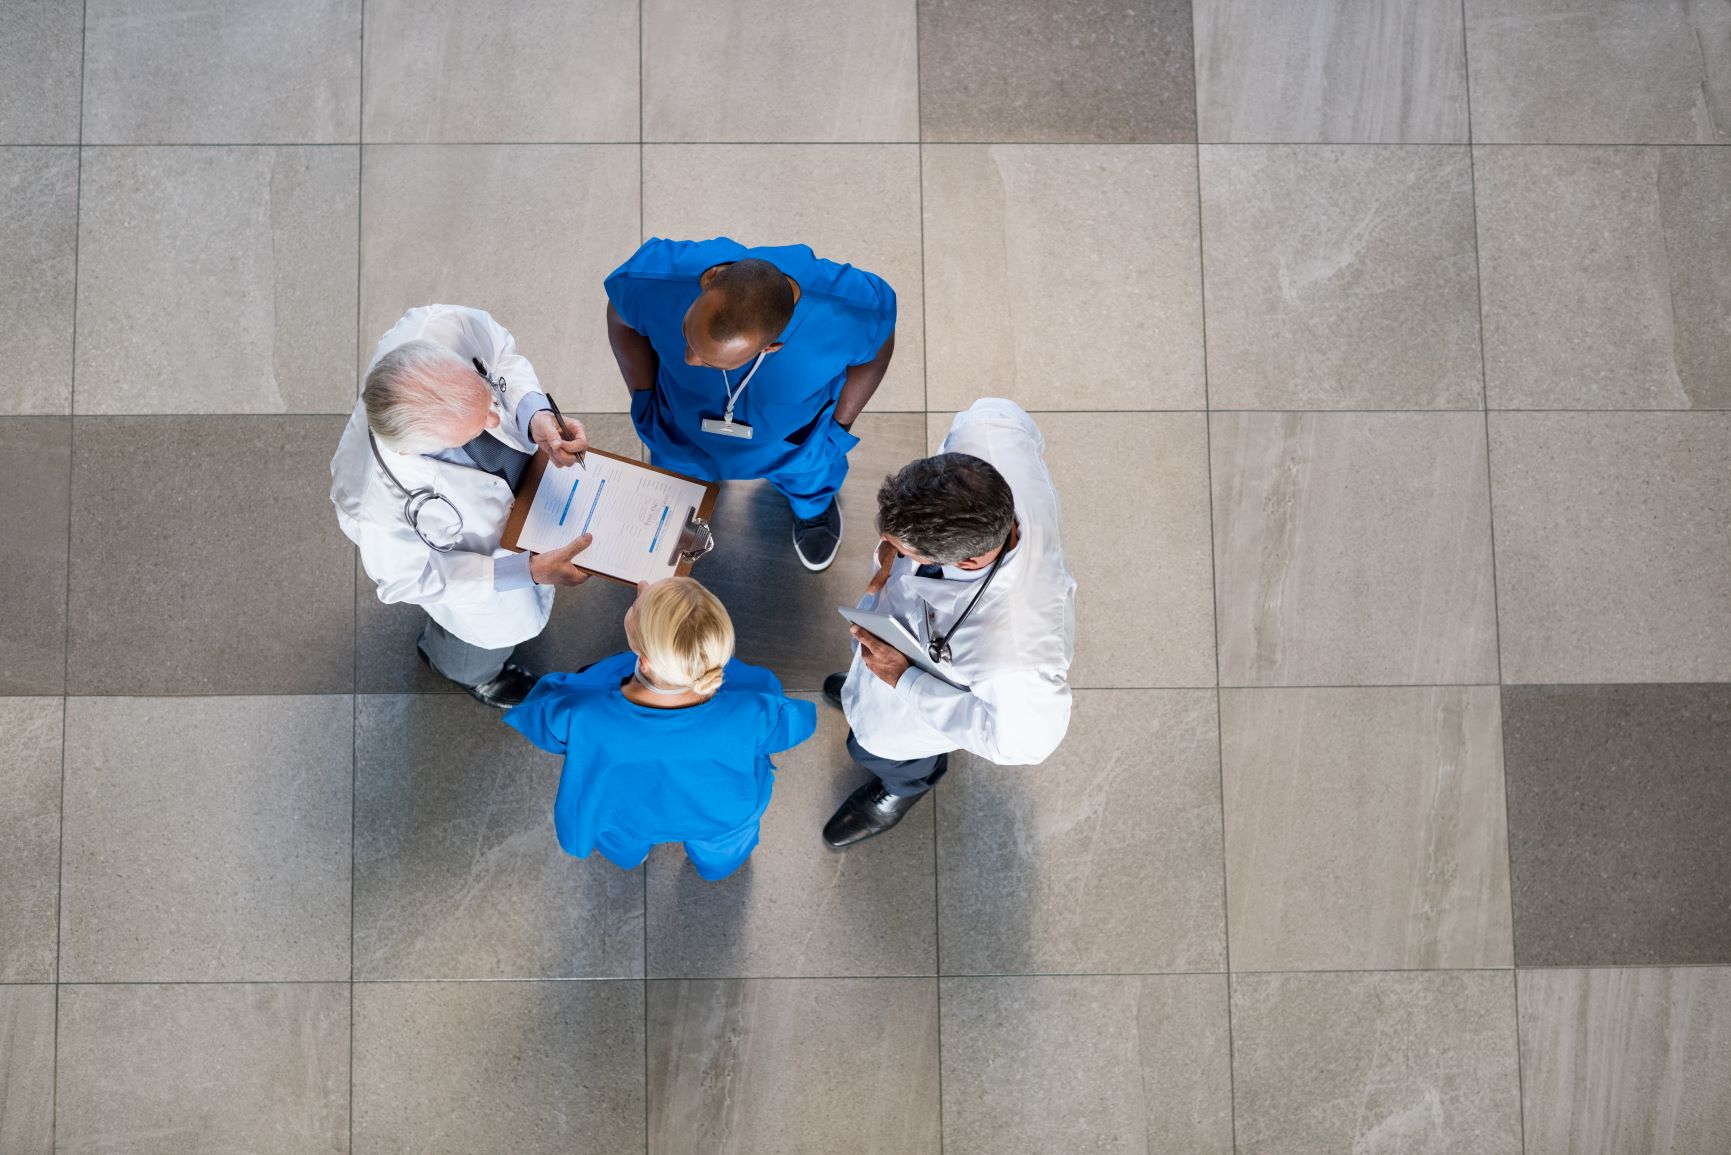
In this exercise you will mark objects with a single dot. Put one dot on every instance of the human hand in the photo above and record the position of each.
(544, 429)
(556, 567)
(883, 557)
(880, 657)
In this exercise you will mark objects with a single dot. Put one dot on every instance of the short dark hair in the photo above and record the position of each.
(948, 508)
(756, 301)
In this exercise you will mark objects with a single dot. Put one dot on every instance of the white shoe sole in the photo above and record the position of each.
(828, 561)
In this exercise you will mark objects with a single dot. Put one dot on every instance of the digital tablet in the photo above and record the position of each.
(896, 634)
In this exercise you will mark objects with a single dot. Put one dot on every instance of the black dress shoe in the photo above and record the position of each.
(832, 689)
(868, 812)
(506, 689)
(816, 539)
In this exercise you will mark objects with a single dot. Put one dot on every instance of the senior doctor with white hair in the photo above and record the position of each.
(422, 481)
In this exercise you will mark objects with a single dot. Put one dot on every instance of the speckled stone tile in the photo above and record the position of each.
(1353, 549)
(1626, 1060)
(29, 839)
(1026, 70)
(1340, 277)
(237, 579)
(38, 259)
(1330, 71)
(1116, 1065)
(27, 1070)
(545, 1068)
(1607, 277)
(755, 70)
(1617, 832)
(1376, 1063)
(1104, 858)
(35, 476)
(1612, 534)
(1365, 829)
(40, 45)
(206, 839)
(520, 71)
(254, 244)
(168, 1070)
(1600, 71)
(791, 1066)
(1063, 277)
(458, 874)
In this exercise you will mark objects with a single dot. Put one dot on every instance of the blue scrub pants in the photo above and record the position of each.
(714, 859)
(809, 491)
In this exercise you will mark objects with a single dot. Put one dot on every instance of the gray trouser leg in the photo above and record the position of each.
(904, 778)
(465, 664)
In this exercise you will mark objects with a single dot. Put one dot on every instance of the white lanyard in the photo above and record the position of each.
(733, 394)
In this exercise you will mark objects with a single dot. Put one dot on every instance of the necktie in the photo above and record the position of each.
(929, 571)
(497, 458)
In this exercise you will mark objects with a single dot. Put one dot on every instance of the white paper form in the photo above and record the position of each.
(635, 513)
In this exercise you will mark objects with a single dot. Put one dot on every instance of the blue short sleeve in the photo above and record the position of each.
(625, 289)
(791, 721)
(885, 323)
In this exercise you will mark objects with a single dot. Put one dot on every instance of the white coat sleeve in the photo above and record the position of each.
(1012, 719)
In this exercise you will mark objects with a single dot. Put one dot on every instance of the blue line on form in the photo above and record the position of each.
(574, 483)
(658, 527)
(592, 504)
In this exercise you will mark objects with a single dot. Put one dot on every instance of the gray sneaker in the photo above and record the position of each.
(816, 539)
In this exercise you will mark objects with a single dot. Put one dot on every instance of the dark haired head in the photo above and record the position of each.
(756, 302)
(947, 508)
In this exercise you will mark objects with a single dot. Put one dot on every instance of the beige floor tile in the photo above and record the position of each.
(1365, 829)
(1612, 535)
(468, 71)
(167, 1070)
(40, 45)
(526, 232)
(1370, 1062)
(854, 204)
(1626, 1060)
(1607, 277)
(169, 72)
(36, 478)
(790, 1066)
(1105, 858)
(1116, 1065)
(753, 70)
(27, 1070)
(1353, 549)
(29, 840)
(1063, 277)
(546, 1068)
(216, 280)
(1328, 70)
(1340, 277)
(38, 268)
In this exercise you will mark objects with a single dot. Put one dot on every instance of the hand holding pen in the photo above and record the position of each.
(564, 440)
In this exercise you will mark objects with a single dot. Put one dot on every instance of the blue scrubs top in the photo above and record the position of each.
(635, 775)
(842, 318)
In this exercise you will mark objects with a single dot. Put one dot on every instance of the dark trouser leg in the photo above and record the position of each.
(906, 779)
(463, 663)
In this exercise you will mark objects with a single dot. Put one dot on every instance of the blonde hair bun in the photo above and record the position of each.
(707, 682)
(684, 633)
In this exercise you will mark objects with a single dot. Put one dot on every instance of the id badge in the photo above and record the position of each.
(724, 428)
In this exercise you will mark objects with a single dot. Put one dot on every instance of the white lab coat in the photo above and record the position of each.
(1014, 650)
(455, 588)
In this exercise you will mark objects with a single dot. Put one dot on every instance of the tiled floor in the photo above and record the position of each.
(1382, 356)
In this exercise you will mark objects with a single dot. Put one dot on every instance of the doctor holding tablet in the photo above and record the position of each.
(971, 571)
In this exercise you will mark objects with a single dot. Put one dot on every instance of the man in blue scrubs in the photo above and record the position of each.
(746, 363)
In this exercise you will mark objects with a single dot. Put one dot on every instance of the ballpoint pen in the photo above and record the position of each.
(564, 433)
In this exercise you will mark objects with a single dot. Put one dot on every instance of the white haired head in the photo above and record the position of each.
(422, 397)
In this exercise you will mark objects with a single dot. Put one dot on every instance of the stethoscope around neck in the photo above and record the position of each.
(938, 649)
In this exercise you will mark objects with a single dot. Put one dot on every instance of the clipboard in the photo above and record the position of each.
(693, 540)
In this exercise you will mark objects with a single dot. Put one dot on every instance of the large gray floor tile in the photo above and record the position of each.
(1340, 277)
(172, 1070)
(798, 908)
(1365, 829)
(1328, 70)
(29, 839)
(1123, 1065)
(1353, 549)
(1600, 71)
(206, 558)
(528, 1068)
(857, 204)
(1003, 70)
(35, 476)
(1607, 277)
(1063, 277)
(524, 70)
(1105, 858)
(1626, 1060)
(40, 45)
(526, 232)
(789, 1066)
(206, 839)
(172, 72)
(1617, 832)
(785, 616)
(1142, 560)
(457, 872)
(27, 1070)
(754, 70)
(216, 280)
(1612, 535)
(1376, 1063)
(38, 265)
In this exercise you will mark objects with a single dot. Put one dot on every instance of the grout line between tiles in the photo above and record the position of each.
(871, 144)
(642, 237)
(355, 608)
(1699, 411)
